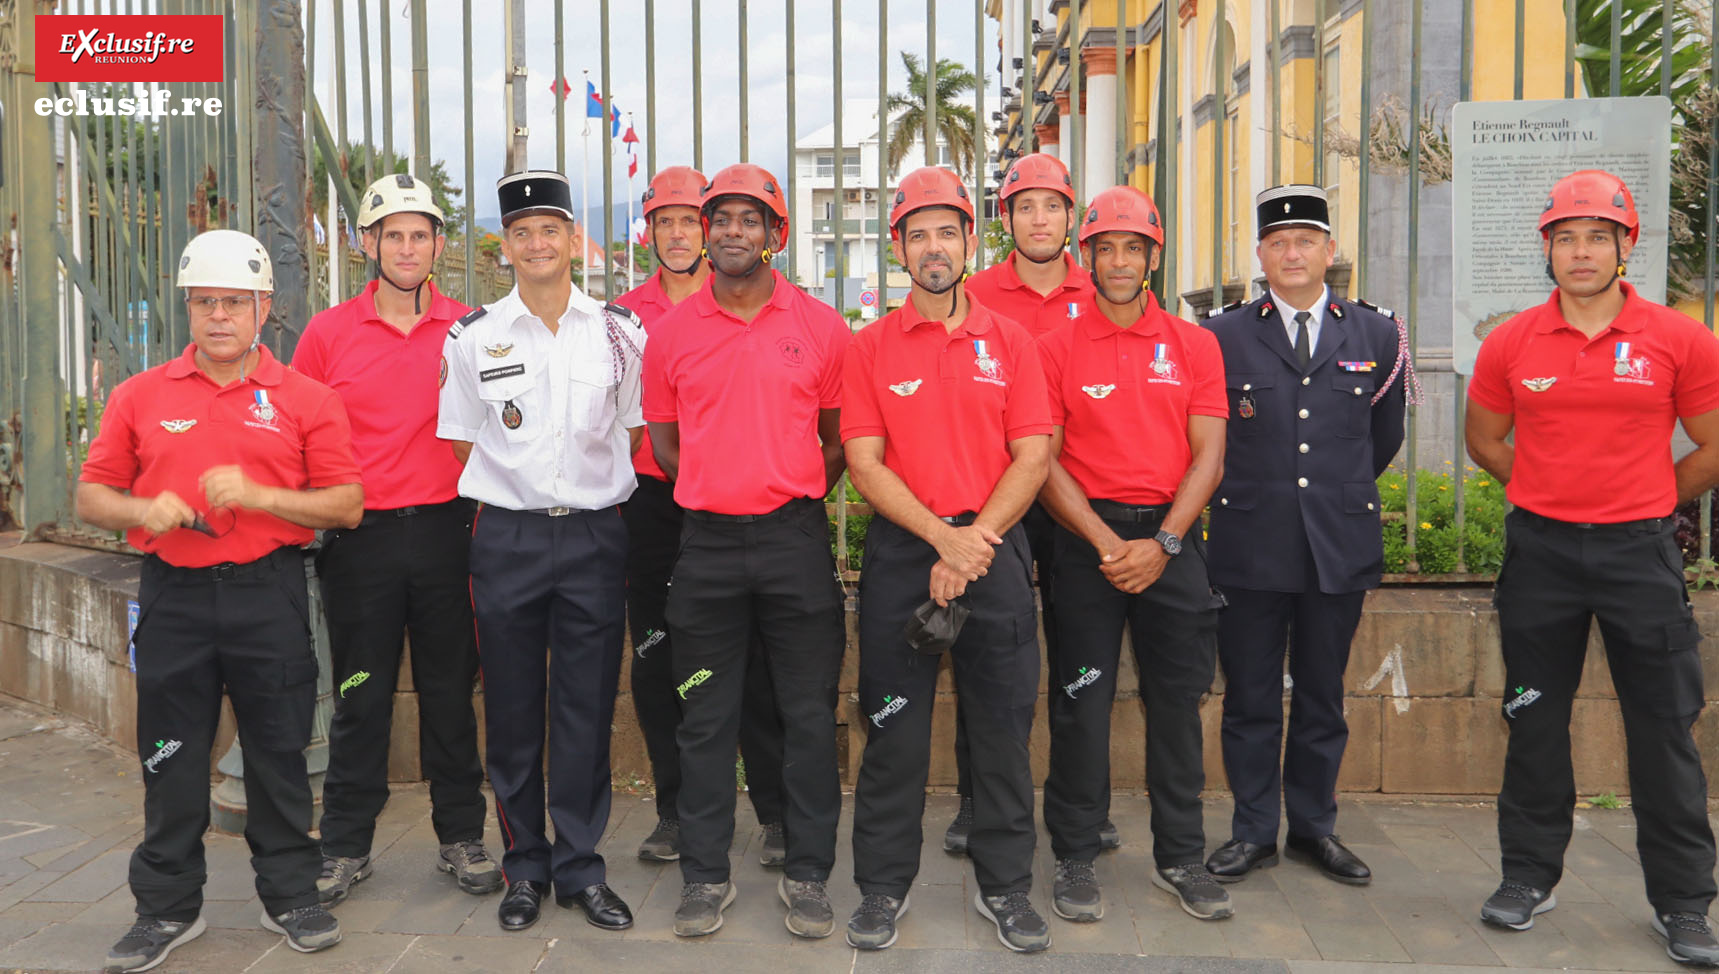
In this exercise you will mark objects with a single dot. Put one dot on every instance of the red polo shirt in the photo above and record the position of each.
(389, 382)
(1594, 446)
(164, 427)
(746, 395)
(999, 288)
(947, 403)
(1123, 397)
(650, 303)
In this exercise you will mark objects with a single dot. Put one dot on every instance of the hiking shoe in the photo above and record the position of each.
(308, 929)
(1515, 905)
(1200, 895)
(955, 839)
(149, 942)
(476, 872)
(809, 912)
(774, 854)
(1688, 938)
(339, 875)
(701, 906)
(872, 927)
(1108, 837)
(1077, 895)
(663, 844)
(1019, 926)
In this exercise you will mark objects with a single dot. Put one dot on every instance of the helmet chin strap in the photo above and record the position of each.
(955, 299)
(1619, 270)
(417, 292)
(1139, 296)
(1051, 259)
(690, 269)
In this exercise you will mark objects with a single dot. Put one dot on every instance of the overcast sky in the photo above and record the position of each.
(767, 70)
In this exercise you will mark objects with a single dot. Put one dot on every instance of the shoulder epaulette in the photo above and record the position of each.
(1370, 306)
(1226, 309)
(469, 317)
(624, 311)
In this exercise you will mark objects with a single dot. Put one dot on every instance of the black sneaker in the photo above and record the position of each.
(1200, 895)
(809, 911)
(955, 839)
(308, 929)
(701, 906)
(872, 927)
(1515, 905)
(1688, 938)
(1077, 895)
(339, 875)
(149, 942)
(1108, 837)
(774, 853)
(1019, 926)
(663, 844)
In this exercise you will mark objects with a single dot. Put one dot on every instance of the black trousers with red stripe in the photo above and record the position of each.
(653, 529)
(552, 586)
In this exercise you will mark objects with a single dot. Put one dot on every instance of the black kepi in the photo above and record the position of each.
(532, 192)
(1294, 205)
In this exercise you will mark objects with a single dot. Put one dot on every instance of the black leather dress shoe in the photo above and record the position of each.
(602, 907)
(1238, 857)
(1331, 857)
(519, 906)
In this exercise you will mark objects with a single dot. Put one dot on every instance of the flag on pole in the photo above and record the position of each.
(631, 141)
(593, 102)
(562, 88)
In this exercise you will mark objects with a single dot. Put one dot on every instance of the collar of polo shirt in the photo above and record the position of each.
(978, 321)
(1629, 317)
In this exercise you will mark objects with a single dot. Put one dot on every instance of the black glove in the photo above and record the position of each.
(933, 628)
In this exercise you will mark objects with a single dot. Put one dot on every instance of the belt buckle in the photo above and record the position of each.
(558, 511)
(225, 571)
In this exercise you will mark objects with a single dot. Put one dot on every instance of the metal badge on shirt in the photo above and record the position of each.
(990, 369)
(1625, 368)
(1163, 366)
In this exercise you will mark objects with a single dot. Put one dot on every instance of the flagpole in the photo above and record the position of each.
(632, 260)
(584, 191)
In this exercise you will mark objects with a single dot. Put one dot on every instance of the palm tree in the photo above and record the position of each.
(954, 120)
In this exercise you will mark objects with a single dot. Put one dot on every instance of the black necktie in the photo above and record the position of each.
(1303, 348)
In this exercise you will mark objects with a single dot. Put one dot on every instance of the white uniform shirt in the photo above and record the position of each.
(1316, 317)
(547, 414)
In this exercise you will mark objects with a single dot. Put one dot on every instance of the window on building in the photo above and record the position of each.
(851, 165)
(826, 163)
(943, 154)
(1331, 9)
(829, 209)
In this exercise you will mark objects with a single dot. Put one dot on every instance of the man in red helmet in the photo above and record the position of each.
(742, 394)
(1128, 551)
(1039, 288)
(946, 433)
(653, 528)
(1591, 383)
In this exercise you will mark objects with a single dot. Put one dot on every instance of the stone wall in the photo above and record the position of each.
(1425, 686)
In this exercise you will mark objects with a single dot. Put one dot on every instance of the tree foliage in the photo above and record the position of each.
(447, 194)
(954, 120)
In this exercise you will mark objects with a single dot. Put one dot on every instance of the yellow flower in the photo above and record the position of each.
(1426, 525)
(1443, 487)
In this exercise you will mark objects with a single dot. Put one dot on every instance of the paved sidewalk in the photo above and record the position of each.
(70, 812)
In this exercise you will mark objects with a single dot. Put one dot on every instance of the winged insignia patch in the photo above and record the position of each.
(499, 350)
(1540, 385)
(177, 425)
(1098, 391)
(907, 388)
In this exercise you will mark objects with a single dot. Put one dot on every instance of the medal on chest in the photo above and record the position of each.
(1620, 364)
(510, 417)
(1161, 359)
(982, 358)
(1073, 310)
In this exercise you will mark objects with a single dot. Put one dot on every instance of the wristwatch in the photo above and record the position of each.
(1171, 544)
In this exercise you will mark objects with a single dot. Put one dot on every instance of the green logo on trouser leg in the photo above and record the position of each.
(1087, 678)
(354, 681)
(694, 680)
(164, 750)
(891, 706)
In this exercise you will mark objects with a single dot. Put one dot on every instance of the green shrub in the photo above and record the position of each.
(1436, 532)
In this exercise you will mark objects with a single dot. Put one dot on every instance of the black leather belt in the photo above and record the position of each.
(961, 520)
(272, 562)
(1130, 513)
(1651, 525)
(714, 518)
(381, 515)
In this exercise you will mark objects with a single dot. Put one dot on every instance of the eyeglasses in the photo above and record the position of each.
(235, 304)
(218, 523)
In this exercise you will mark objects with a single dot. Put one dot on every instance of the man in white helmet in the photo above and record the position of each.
(405, 566)
(220, 465)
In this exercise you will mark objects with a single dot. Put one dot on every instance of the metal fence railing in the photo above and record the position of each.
(100, 205)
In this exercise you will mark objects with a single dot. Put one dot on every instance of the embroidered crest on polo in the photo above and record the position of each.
(907, 388)
(262, 409)
(498, 350)
(1098, 391)
(177, 425)
(1540, 384)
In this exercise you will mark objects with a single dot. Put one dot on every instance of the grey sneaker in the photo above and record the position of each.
(308, 929)
(1076, 895)
(1200, 895)
(663, 844)
(809, 912)
(1515, 905)
(701, 906)
(774, 854)
(955, 839)
(149, 942)
(476, 872)
(1688, 938)
(339, 875)
(872, 927)
(1019, 926)
(1108, 837)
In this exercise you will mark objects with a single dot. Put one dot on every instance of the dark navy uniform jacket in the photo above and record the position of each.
(1304, 450)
